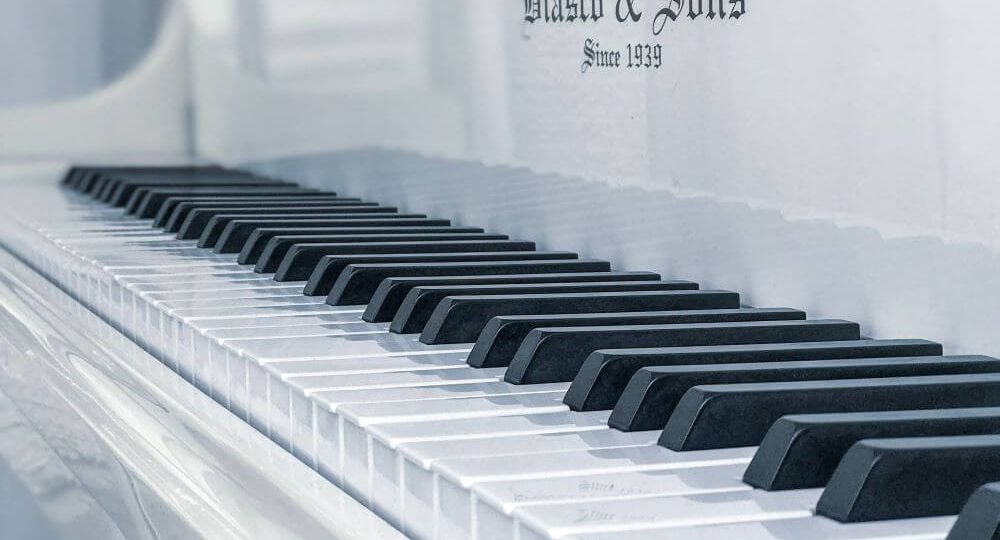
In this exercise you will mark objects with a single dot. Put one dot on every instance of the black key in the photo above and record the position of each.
(652, 394)
(174, 210)
(557, 354)
(385, 302)
(114, 177)
(238, 231)
(197, 219)
(251, 247)
(295, 261)
(108, 185)
(76, 175)
(124, 192)
(802, 450)
(881, 479)
(278, 246)
(328, 271)
(213, 230)
(358, 282)
(731, 415)
(460, 319)
(150, 202)
(105, 185)
(594, 387)
(501, 336)
(420, 302)
(980, 517)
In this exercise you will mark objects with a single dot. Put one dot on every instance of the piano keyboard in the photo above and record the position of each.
(463, 384)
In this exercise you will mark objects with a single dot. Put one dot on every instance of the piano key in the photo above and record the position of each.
(387, 478)
(166, 282)
(145, 201)
(120, 190)
(328, 422)
(232, 290)
(109, 182)
(501, 336)
(302, 329)
(207, 231)
(197, 219)
(286, 368)
(354, 420)
(453, 478)
(358, 282)
(419, 388)
(507, 495)
(420, 302)
(802, 451)
(389, 295)
(328, 271)
(239, 231)
(274, 320)
(603, 372)
(78, 177)
(564, 520)
(217, 225)
(198, 306)
(460, 319)
(496, 501)
(789, 529)
(174, 211)
(147, 204)
(251, 247)
(882, 479)
(557, 354)
(652, 393)
(717, 416)
(300, 259)
(325, 347)
(245, 225)
(278, 246)
(980, 517)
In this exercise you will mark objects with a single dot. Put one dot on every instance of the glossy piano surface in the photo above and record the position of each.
(838, 161)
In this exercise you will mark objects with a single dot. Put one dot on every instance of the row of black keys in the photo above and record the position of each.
(657, 353)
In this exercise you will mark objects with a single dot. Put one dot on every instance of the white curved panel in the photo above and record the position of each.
(142, 114)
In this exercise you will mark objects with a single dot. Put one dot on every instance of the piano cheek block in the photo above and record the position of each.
(883, 479)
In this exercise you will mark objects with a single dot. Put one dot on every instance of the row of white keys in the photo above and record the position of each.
(369, 448)
(356, 447)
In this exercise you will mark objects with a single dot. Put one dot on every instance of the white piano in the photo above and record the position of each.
(551, 269)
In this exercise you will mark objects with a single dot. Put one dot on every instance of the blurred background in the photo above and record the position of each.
(56, 49)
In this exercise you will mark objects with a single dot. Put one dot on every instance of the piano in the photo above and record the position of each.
(545, 270)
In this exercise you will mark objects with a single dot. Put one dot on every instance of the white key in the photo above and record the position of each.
(402, 470)
(495, 502)
(621, 515)
(455, 477)
(231, 293)
(283, 350)
(792, 529)
(350, 422)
